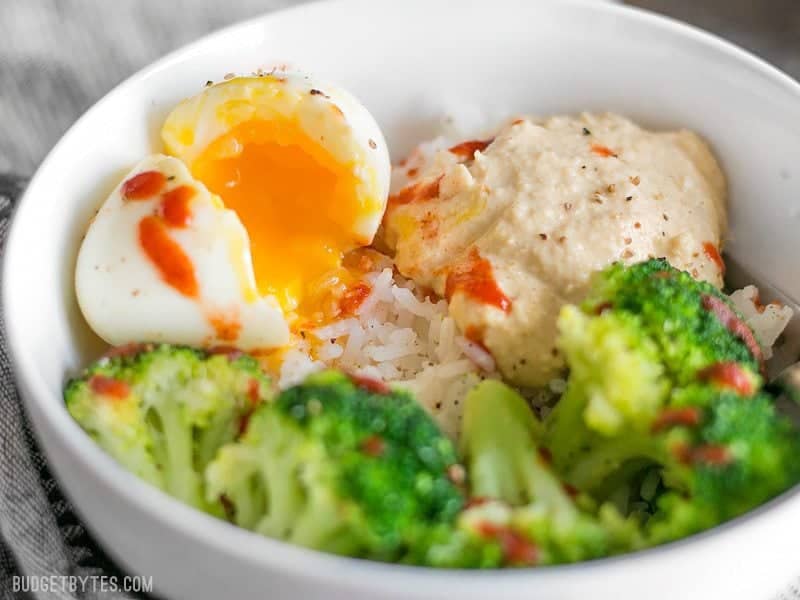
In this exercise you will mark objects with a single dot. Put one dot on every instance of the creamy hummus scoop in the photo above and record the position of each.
(511, 228)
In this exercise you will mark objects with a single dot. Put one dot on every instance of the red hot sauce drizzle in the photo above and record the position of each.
(712, 454)
(144, 185)
(167, 256)
(687, 416)
(230, 352)
(254, 396)
(475, 278)
(729, 375)
(374, 445)
(604, 151)
(475, 501)
(369, 384)
(354, 297)
(253, 391)
(713, 254)
(422, 191)
(706, 454)
(516, 549)
(108, 386)
(474, 334)
(735, 325)
(127, 350)
(467, 150)
(226, 326)
(176, 206)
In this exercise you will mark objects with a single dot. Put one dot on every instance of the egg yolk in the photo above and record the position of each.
(298, 204)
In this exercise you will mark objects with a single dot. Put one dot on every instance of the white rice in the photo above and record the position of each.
(400, 337)
(767, 321)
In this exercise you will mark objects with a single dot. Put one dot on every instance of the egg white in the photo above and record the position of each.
(124, 298)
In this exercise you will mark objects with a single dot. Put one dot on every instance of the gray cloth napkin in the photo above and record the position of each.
(40, 534)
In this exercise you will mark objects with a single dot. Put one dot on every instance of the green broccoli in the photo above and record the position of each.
(465, 543)
(164, 411)
(691, 321)
(521, 501)
(742, 455)
(342, 465)
(664, 394)
(664, 429)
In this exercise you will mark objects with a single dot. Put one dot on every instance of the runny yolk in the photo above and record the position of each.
(298, 204)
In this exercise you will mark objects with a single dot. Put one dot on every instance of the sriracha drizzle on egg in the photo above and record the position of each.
(174, 210)
(174, 266)
(176, 206)
(144, 185)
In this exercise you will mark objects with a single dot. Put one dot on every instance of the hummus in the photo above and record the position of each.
(511, 228)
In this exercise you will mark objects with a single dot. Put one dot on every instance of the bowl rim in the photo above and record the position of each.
(240, 543)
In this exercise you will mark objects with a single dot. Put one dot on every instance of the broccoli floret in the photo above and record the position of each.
(497, 443)
(682, 315)
(632, 386)
(742, 455)
(461, 544)
(163, 411)
(522, 503)
(341, 465)
(664, 386)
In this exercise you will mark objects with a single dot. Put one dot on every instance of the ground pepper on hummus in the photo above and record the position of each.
(511, 228)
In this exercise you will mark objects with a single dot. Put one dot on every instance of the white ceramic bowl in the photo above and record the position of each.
(409, 62)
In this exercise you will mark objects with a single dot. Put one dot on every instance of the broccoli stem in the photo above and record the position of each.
(563, 422)
(244, 487)
(130, 453)
(281, 472)
(222, 428)
(319, 523)
(343, 542)
(250, 500)
(591, 470)
(494, 433)
(504, 462)
(175, 445)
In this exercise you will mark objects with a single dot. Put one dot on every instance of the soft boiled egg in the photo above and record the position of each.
(239, 235)
(164, 261)
(304, 166)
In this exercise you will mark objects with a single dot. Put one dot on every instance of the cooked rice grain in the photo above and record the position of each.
(400, 337)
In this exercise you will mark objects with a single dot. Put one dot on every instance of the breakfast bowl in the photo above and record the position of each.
(413, 65)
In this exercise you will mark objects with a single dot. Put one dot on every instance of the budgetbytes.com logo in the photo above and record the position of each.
(81, 584)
